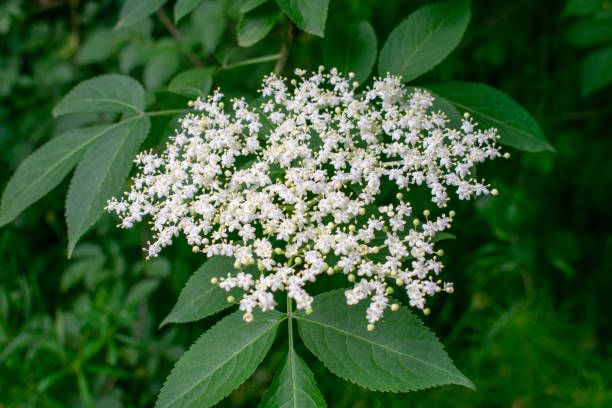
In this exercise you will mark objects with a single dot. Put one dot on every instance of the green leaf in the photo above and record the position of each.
(193, 82)
(588, 33)
(184, 7)
(220, 360)
(493, 108)
(424, 39)
(199, 298)
(45, 169)
(101, 174)
(141, 291)
(134, 11)
(105, 42)
(441, 104)
(209, 21)
(293, 386)
(255, 25)
(105, 93)
(442, 236)
(596, 71)
(161, 65)
(400, 355)
(248, 5)
(308, 15)
(581, 7)
(350, 46)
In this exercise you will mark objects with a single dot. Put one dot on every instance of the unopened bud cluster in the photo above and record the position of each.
(292, 188)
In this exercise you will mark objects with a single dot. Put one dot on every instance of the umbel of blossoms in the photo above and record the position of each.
(291, 189)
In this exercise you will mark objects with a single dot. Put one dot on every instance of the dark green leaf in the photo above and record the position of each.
(219, 361)
(101, 174)
(184, 7)
(581, 7)
(199, 298)
(45, 169)
(424, 39)
(105, 42)
(134, 11)
(293, 386)
(400, 355)
(105, 93)
(308, 15)
(493, 108)
(588, 33)
(195, 82)
(255, 25)
(596, 71)
(350, 46)
(443, 235)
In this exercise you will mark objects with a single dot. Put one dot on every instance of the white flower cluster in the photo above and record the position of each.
(292, 189)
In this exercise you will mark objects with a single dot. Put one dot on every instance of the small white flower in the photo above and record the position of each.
(299, 200)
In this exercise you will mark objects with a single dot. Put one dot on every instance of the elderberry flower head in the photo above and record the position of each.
(298, 187)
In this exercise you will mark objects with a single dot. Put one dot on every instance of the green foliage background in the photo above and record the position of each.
(529, 320)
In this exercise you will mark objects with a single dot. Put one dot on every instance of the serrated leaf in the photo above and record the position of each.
(184, 7)
(308, 15)
(105, 93)
(400, 355)
(350, 46)
(596, 71)
(219, 361)
(493, 108)
(193, 82)
(200, 298)
(134, 11)
(424, 39)
(255, 25)
(248, 5)
(45, 169)
(101, 174)
(293, 386)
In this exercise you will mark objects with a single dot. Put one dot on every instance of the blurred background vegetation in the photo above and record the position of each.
(529, 322)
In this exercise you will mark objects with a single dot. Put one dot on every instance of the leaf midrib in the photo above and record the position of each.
(347, 333)
(108, 100)
(114, 156)
(57, 164)
(240, 350)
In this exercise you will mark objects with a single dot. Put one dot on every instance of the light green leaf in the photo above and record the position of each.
(193, 82)
(308, 15)
(424, 39)
(248, 5)
(209, 21)
(588, 33)
(493, 108)
(199, 298)
(184, 7)
(293, 386)
(45, 169)
(255, 25)
(442, 236)
(219, 361)
(105, 42)
(161, 65)
(105, 93)
(596, 71)
(101, 174)
(134, 11)
(400, 355)
(350, 46)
